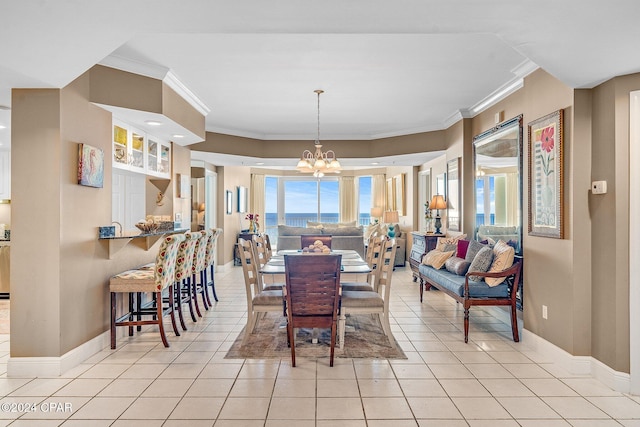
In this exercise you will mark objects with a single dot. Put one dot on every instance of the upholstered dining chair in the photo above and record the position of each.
(259, 301)
(375, 301)
(183, 286)
(376, 246)
(209, 273)
(198, 269)
(313, 295)
(308, 239)
(156, 279)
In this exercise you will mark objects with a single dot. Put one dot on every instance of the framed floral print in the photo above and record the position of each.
(546, 176)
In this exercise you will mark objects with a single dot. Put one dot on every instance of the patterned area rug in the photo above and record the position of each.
(364, 338)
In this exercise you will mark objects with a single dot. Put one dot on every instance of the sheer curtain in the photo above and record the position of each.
(378, 188)
(257, 198)
(348, 199)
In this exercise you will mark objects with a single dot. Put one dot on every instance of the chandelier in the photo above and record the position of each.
(318, 162)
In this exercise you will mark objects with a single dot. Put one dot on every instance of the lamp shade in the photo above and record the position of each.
(391, 216)
(376, 212)
(438, 202)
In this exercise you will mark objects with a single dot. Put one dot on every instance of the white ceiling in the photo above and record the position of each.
(387, 68)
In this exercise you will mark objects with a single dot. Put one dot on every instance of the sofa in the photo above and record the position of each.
(493, 233)
(491, 281)
(342, 237)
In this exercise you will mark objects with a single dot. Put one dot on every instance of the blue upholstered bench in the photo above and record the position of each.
(469, 292)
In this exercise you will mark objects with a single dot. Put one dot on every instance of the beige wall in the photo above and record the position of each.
(59, 268)
(229, 178)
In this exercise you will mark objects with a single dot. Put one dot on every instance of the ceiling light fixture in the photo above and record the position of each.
(319, 162)
(153, 122)
(177, 135)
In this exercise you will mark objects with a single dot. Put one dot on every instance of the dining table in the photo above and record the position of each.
(353, 268)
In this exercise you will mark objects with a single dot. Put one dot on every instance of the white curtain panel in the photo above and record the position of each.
(512, 202)
(257, 198)
(348, 199)
(378, 188)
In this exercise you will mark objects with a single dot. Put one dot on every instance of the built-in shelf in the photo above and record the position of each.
(145, 240)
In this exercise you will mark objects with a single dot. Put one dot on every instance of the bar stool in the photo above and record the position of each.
(147, 280)
(182, 282)
(211, 255)
(198, 268)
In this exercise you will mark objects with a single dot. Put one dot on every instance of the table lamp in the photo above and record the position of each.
(389, 218)
(438, 202)
(376, 214)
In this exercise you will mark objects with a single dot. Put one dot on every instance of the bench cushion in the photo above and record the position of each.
(455, 284)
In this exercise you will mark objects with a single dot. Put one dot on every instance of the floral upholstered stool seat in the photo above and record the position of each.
(151, 278)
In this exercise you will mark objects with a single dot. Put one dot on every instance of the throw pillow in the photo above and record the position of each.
(503, 255)
(463, 245)
(472, 250)
(457, 265)
(372, 228)
(436, 258)
(445, 244)
(481, 263)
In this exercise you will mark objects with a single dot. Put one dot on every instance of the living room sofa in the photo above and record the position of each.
(342, 237)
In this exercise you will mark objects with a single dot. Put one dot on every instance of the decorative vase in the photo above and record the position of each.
(253, 227)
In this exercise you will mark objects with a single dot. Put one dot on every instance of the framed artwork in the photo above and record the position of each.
(454, 208)
(391, 195)
(546, 176)
(229, 202)
(90, 166)
(400, 203)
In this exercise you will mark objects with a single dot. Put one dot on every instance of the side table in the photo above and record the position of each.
(236, 252)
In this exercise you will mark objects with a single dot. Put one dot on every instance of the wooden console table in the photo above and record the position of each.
(421, 244)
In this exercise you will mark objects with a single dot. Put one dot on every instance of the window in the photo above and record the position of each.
(364, 200)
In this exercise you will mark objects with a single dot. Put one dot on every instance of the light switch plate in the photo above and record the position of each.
(599, 187)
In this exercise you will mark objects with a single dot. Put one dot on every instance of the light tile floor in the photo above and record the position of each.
(491, 381)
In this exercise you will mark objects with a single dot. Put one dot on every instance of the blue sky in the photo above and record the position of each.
(301, 196)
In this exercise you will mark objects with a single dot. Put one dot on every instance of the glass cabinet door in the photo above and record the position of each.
(153, 156)
(137, 150)
(120, 144)
(165, 159)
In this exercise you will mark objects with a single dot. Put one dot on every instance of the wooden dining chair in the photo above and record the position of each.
(262, 255)
(308, 239)
(155, 279)
(374, 250)
(375, 301)
(259, 301)
(312, 295)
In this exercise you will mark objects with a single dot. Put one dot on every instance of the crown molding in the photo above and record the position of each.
(174, 83)
(135, 67)
(156, 72)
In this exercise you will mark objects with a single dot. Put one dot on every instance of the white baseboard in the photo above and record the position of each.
(56, 366)
(580, 365)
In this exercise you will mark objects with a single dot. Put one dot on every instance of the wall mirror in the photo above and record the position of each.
(497, 157)
(454, 211)
(242, 199)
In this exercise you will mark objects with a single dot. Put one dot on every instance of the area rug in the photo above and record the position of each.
(364, 338)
